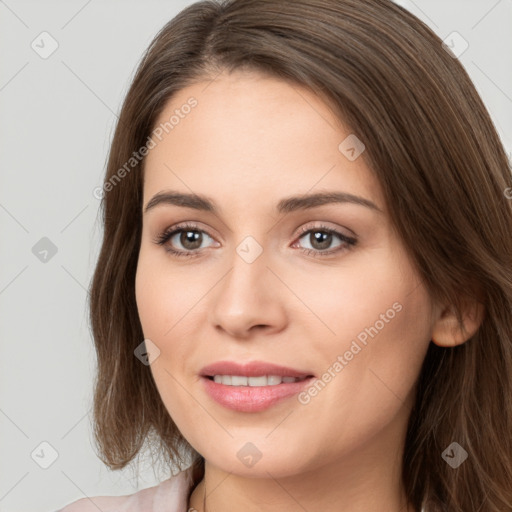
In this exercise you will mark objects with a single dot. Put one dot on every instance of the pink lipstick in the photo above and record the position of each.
(254, 386)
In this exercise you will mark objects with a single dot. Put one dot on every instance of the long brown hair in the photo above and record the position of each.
(447, 184)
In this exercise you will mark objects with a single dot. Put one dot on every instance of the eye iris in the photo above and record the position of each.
(321, 239)
(193, 237)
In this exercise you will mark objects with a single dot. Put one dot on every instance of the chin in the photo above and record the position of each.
(258, 458)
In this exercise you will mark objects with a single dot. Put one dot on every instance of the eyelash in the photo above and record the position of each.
(166, 235)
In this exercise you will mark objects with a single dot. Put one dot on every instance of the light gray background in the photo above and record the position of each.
(57, 118)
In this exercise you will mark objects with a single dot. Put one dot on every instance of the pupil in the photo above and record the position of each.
(321, 240)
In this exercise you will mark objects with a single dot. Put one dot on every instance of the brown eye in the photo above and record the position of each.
(183, 240)
(190, 240)
(321, 239)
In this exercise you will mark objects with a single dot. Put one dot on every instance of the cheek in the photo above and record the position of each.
(160, 308)
(148, 297)
(382, 347)
(372, 385)
(164, 300)
(171, 311)
(380, 301)
(345, 303)
(379, 323)
(400, 348)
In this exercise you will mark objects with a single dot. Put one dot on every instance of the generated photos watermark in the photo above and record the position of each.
(344, 359)
(137, 156)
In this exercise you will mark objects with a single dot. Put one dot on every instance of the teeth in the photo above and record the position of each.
(257, 381)
(264, 380)
(238, 381)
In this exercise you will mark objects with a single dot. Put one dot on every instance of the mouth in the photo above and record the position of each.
(260, 381)
(254, 386)
(249, 369)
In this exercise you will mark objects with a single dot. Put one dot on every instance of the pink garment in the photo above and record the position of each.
(171, 495)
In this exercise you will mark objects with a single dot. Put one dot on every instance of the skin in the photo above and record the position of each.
(251, 141)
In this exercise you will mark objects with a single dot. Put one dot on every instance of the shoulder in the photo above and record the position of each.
(104, 503)
(173, 492)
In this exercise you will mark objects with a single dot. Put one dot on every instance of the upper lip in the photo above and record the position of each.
(251, 369)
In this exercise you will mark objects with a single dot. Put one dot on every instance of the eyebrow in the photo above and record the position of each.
(286, 205)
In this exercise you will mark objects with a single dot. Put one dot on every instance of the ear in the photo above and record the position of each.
(447, 333)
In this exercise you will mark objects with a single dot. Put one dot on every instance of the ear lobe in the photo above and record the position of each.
(446, 331)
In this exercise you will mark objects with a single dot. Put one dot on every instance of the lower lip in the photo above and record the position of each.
(252, 398)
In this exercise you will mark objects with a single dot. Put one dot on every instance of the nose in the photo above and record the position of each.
(248, 300)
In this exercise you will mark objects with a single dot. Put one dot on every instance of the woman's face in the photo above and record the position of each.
(266, 281)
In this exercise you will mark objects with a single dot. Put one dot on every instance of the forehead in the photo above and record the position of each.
(256, 132)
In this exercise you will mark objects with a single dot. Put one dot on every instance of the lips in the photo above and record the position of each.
(252, 369)
(252, 397)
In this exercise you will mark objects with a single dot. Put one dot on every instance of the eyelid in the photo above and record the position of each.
(321, 226)
(182, 226)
